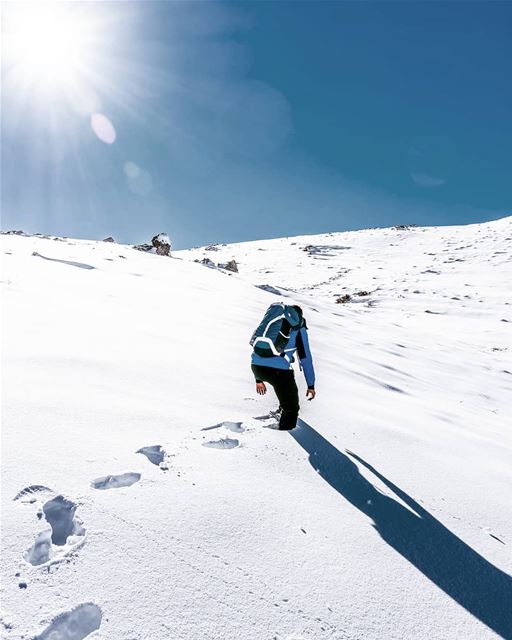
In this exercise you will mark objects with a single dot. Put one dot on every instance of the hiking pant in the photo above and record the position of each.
(283, 382)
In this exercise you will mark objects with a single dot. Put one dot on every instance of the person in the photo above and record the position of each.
(277, 371)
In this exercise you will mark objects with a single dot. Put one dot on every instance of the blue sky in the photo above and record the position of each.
(222, 122)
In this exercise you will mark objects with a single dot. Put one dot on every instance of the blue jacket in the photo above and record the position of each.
(279, 362)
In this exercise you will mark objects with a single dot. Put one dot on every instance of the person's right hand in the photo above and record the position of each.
(261, 389)
(310, 393)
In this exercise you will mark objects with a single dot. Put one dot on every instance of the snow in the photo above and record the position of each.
(386, 514)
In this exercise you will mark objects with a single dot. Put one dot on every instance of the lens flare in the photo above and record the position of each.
(103, 128)
(139, 181)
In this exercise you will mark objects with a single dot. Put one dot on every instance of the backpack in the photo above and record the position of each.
(272, 334)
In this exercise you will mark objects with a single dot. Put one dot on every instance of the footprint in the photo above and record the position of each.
(223, 443)
(154, 453)
(39, 552)
(116, 482)
(60, 514)
(272, 415)
(74, 625)
(67, 532)
(29, 494)
(235, 427)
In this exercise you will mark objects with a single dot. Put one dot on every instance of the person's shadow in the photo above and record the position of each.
(463, 574)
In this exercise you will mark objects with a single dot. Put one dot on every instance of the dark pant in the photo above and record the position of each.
(283, 382)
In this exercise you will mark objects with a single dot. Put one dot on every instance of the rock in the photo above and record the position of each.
(109, 239)
(230, 266)
(14, 232)
(143, 247)
(162, 244)
(404, 227)
(269, 288)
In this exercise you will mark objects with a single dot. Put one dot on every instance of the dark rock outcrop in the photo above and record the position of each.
(229, 266)
(162, 244)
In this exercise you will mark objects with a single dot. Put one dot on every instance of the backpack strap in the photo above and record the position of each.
(268, 341)
(301, 351)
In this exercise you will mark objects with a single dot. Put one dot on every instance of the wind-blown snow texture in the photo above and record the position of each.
(385, 515)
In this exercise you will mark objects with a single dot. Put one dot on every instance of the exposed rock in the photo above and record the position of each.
(109, 239)
(270, 289)
(229, 266)
(226, 266)
(14, 232)
(162, 244)
(144, 247)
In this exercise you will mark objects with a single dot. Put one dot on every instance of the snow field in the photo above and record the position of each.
(261, 534)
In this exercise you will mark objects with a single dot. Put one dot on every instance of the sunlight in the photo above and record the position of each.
(51, 49)
(48, 43)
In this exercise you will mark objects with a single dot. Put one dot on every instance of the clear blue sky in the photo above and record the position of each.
(243, 120)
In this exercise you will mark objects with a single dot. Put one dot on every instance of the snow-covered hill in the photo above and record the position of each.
(385, 515)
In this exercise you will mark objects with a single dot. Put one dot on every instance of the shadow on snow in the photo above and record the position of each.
(80, 265)
(463, 574)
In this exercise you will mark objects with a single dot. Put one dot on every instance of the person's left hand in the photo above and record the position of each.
(261, 389)
(310, 394)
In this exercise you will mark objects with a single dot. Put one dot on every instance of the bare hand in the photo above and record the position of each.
(310, 394)
(261, 389)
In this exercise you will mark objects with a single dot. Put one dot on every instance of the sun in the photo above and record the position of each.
(47, 43)
(50, 48)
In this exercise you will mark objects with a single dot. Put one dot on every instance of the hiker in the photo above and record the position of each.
(281, 333)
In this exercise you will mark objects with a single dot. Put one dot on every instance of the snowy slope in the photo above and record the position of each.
(385, 514)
